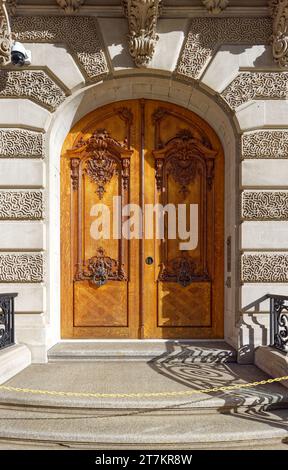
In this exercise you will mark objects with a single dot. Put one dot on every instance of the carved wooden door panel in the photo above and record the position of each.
(100, 280)
(148, 154)
(184, 287)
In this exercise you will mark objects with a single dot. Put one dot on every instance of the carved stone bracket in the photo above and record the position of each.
(215, 6)
(142, 17)
(70, 6)
(279, 11)
(5, 35)
(11, 6)
(101, 268)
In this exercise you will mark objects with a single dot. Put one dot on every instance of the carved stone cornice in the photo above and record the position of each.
(70, 6)
(5, 35)
(279, 11)
(142, 17)
(215, 6)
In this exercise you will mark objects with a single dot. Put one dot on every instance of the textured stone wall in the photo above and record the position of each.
(21, 143)
(23, 205)
(207, 35)
(224, 61)
(80, 34)
(21, 267)
(265, 205)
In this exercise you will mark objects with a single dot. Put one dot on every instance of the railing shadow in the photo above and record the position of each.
(200, 368)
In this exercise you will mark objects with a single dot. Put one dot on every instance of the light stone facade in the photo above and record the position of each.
(220, 67)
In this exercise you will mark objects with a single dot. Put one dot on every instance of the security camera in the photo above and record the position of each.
(19, 55)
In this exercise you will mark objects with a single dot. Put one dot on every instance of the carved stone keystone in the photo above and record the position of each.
(215, 6)
(70, 6)
(142, 17)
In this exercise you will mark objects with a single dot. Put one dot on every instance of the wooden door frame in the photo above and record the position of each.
(67, 300)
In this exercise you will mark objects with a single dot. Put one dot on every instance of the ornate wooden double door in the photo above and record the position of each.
(142, 186)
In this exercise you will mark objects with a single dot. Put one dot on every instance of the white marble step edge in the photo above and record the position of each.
(131, 351)
(273, 362)
(142, 429)
(13, 360)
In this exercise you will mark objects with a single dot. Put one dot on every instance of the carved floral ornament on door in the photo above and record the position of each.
(106, 157)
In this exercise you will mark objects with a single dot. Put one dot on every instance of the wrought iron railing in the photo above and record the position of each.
(7, 330)
(278, 319)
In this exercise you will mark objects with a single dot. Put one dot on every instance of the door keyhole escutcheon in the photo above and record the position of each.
(149, 260)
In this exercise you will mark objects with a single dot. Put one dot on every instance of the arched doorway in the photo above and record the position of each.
(152, 284)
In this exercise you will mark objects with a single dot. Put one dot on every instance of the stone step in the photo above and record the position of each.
(131, 378)
(254, 418)
(259, 444)
(143, 350)
(142, 429)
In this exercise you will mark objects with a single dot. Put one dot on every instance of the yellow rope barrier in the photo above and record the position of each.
(7, 388)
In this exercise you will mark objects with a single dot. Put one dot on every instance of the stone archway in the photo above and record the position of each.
(161, 88)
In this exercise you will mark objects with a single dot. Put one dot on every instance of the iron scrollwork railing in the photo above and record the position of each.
(7, 330)
(279, 322)
(278, 319)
